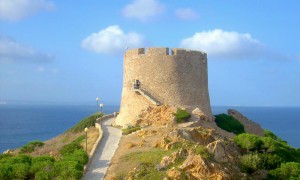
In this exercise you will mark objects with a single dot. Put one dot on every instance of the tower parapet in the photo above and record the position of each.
(178, 76)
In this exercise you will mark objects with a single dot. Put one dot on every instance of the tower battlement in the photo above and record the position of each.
(164, 51)
(178, 76)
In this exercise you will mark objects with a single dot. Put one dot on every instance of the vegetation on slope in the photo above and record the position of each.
(270, 153)
(29, 147)
(181, 115)
(229, 123)
(146, 164)
(86, 122)
(66, 164)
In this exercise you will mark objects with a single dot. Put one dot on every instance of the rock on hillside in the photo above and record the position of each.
(157, 116)
(250, 126)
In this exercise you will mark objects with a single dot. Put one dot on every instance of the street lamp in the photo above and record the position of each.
(86, 130)
(101, 105)
(97, 99)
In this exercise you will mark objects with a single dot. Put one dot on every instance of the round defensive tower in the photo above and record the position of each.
(156, 76)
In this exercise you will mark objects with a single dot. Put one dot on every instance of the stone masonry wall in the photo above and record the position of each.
(177, 76)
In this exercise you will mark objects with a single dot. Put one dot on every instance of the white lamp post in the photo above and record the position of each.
(97, 99)
(101, 105)
(86, 130)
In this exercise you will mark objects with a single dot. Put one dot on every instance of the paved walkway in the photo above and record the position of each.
(104, 152)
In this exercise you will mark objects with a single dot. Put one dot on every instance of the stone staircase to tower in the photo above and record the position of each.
(148, 94)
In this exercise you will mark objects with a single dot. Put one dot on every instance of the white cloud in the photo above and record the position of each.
(186, 14)
(11, 50)
(227, 45)
(13, 10)
(40, 69)
(112, 40)
(143, 9)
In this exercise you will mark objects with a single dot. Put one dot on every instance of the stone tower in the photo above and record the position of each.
(156, 76)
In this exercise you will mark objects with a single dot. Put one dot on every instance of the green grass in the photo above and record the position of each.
(29, 147)
(86, 122)
(146, 163)
(130, 130)
(181, 115)
(229, 123)
(73, 146)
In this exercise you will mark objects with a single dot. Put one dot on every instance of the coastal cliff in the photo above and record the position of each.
(197, 148)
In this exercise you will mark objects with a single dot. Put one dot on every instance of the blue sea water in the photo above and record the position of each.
(21, 124)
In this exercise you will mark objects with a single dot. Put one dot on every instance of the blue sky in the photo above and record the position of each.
(70, 52)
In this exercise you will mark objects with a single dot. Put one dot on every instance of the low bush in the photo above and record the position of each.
(270, 153)
(15, 167)
(43, 168)
(130, 129)
(270, 134)
(5, 156)
(202, 151)
(250, 142)
(250, 163)
(29, 147)
(86, 122)
(73, 146)
(181, 115)
(68, 170)
(270, 161)
(229, 123)
(289, 170)
(79, 156)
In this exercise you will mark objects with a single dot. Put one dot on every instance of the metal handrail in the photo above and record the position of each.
(151, 93)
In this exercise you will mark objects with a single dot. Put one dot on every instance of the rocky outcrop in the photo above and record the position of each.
(175, 156)
(198, 114)
(250, 126)
(224, 151)
(198, 168)
(161, 115)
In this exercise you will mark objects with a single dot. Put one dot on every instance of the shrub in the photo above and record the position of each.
(250, 162)
(269, 144)
(248, 141)
(6, 171)
(86, 122)
(2, 156)
(73, 146)
(270, 161)
(202, 151)
(78, 156)
(68, 170)
(42, 158)
(289, 170)
(148, 171)
(270, 134)
(181, 115)
(43, 167)
(29, 147)
(230, 124)
(20, 170)
(130, 129)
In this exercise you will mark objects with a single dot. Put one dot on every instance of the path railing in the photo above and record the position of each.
(157, 100)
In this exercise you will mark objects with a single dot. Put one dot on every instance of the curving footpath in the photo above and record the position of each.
(104, 152)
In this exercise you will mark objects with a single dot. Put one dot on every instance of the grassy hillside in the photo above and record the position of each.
(61, 157)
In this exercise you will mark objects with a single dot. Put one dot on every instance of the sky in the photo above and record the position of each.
(70, 52)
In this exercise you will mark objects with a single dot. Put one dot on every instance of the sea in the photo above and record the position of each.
(20, 124)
